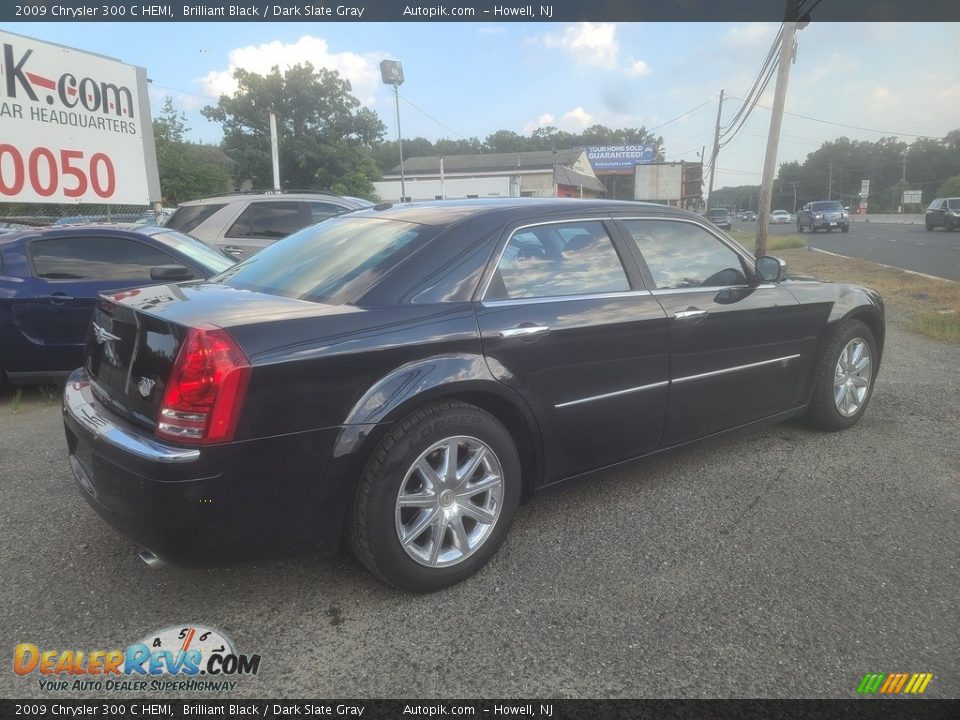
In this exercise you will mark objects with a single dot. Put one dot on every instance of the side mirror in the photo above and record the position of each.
(771, 269)
(170, 273)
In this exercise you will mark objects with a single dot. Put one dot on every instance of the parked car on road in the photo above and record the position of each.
(720, 217)
(748, 216)
(780, 217)
(943, 212)
(407, 376)
(826, 215)
(242, 224)
(50, 279)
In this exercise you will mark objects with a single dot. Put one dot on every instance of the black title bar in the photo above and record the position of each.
(473, 11)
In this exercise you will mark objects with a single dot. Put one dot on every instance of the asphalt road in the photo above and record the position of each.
(782, 563)
(909, 247)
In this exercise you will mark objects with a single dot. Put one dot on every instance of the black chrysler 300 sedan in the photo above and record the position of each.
(406, 376)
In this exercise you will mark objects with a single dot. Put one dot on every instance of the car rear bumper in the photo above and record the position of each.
(198, 506)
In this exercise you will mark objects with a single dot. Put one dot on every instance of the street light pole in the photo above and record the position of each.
(391, 72)
(403, 181)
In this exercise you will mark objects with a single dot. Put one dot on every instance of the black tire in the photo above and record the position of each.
(372, 520)
(822, 412)
(928, 226)
(813, 229)
(799, 227)
(845, 228)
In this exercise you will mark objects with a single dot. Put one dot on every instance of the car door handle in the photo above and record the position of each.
(56, 298)
(524, 331)
(233, 250)
(690, 314)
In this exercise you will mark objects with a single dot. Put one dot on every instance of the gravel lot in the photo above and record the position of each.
(780, 563)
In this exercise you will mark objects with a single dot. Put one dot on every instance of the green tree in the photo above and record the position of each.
(187, 170)
(325, 137)
(950, 188)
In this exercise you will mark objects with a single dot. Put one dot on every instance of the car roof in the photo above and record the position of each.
(81, 229)
(442, 213)
(267, 195)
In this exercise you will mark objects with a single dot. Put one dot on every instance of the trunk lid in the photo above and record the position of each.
(135, 336)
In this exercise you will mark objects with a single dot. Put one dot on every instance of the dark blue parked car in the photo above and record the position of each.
(50, 279)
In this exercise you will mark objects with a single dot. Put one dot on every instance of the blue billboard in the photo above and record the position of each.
(620, 157)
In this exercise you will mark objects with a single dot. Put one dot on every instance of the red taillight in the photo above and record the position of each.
(205, 392)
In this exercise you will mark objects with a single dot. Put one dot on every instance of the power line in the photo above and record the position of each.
(852, 127)
(770, 60)
(705, 102)
(183, 92)
(445, 127)
(769, 66)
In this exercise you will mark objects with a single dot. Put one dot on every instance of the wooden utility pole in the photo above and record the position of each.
(773, 139)
(716, 151)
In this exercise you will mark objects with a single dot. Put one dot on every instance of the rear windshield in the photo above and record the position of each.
(213, 260)
(718, 213)
(330, 262)
(826, 206)
(186, 218)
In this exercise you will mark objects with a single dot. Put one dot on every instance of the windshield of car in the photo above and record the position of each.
(826, 206)
(329, 262)
(204, 255)
(780, 212)
(953, 203)
(718, 212)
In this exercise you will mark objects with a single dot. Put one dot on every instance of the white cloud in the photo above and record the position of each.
(361, 70)
(752, 34)
(574, 120)
(578, 118)
(590, 43)
(880, 93)
(639, 67)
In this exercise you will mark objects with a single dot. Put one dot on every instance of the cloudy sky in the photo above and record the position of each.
(471, 79)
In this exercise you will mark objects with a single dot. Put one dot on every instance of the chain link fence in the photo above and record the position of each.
(20, 216)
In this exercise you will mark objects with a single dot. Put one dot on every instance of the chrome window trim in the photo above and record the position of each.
(562, 298)
(591, 398)
(736, 368)
(713, 373)
(486, 285)
(713, 288)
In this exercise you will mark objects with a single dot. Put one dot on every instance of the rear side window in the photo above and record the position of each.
(188, 218)
(332, 262)
(684, 255)
(321, 211)
(267, 220)
(576, 258)
(95, 258)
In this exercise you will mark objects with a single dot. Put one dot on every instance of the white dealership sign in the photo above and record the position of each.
(74, 127)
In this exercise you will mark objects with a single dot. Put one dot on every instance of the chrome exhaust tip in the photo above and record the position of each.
(150, 559)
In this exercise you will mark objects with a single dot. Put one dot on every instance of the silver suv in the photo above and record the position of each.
(243, 223)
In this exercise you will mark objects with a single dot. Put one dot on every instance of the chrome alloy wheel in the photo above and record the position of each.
(851, 378)
(449, 501)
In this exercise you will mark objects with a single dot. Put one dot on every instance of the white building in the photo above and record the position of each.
(566, 173)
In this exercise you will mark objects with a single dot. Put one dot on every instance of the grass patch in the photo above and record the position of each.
(48, 393)
(927, 306)
(774, 242)
(938, 325)
(15, 403)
